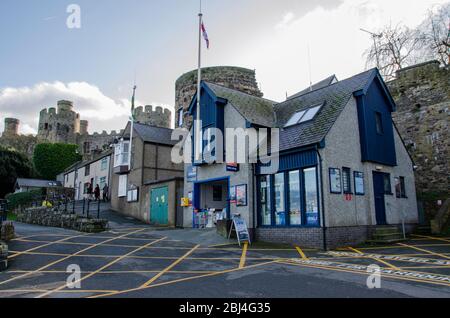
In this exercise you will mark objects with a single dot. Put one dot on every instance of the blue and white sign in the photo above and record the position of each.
(191, 174)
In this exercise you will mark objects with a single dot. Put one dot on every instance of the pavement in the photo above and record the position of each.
(133, 259)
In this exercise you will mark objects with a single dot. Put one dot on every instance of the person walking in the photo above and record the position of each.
(105, 193)
(97, 193)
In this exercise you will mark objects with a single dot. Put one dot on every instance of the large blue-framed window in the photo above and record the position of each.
(289, 199)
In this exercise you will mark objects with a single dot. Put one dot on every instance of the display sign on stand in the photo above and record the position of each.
(240, 227)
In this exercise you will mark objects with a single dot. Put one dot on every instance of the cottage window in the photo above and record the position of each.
(121, 154)
(400, 188)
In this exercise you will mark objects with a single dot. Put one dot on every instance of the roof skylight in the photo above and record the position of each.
(304, 116)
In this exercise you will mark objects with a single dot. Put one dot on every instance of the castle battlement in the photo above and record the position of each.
(158, 117)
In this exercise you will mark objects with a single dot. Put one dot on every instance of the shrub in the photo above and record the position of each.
(23, 199)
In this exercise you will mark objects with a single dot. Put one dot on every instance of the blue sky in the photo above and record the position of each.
(41, 60)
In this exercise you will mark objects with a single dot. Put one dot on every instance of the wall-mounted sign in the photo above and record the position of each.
(190, 198)
(233, 167)
(133, 195)
(241, 195)
(191, 174)
(185, 202)
(335, 181)
(359, 183)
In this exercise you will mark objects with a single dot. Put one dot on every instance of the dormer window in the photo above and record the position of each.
(304, 116)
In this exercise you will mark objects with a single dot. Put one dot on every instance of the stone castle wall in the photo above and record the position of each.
(422, 94)
(159, 117)
(237, 78)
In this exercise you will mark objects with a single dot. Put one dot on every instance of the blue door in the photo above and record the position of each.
(380, 204)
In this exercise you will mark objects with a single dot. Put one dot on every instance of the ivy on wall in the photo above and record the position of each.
(52, 159)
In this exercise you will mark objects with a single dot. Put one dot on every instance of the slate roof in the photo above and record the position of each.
(334, 97)
(256, 110)
(36, 183)
(154, 134)
(324, 83)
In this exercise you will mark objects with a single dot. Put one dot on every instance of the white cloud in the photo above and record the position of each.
(102, 112)
(280, 56)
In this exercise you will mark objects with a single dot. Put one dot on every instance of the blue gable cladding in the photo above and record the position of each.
(292, 161)
(211, 111)
(373, 101)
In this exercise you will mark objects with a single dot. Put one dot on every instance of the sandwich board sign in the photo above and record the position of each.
(240, 226)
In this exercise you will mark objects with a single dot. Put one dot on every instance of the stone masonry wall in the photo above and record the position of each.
(422, 94)
(52, 217)
(232, 77)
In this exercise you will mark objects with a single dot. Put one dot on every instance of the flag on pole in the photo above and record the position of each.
(205, 35)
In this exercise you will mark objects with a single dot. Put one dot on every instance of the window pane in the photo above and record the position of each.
(280, 210)
(311, 197)
(311, 113)
(265, 201)
(294, 198)
(398, 189)
(402, 187)
(295, 119)
(387, 184)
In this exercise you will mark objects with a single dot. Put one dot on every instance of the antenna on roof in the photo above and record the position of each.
(309, 68)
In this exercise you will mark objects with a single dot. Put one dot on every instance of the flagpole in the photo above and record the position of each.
(199, 79)
(131, 127)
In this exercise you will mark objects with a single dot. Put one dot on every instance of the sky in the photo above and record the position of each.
(153, 42)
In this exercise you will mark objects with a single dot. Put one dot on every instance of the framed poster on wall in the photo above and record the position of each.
(241, 195)
(335, 181)
(233, 195)
(359, 183)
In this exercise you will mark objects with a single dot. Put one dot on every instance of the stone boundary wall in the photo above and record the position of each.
(7, 231)
(52, 217)
(3, 256)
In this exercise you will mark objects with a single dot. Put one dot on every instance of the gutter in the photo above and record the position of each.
(325, 247)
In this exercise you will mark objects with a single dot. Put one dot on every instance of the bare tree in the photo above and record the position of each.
(394, 49)
(435, 32)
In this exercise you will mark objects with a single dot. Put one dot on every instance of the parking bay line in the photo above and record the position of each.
(432, 238)
(300, 251)
(168, 268)
(311, 264)
(423, 250)
(243, 256)
(103, 267)
(65, 258)
(374, 258)
(47, 244)
(183, 280)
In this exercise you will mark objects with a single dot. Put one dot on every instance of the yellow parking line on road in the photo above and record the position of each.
(45, 245)
(300, 251)
(168, 268)
(182, 280)
(65, 258)
(243, 256)
(374, 258)
(75, 291)
(101, 268)
(423, 250)
(432, 238)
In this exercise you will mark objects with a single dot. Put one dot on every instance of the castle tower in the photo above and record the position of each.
(11, 127)
(159, 117)
(84, 125)
(59, 125)
(237, 78)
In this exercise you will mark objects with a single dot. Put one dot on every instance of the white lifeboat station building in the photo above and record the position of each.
(331, 165)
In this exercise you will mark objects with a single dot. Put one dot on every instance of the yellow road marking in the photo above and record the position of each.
(182, 280)
(433, 238)
(6, 291)
(45, 245)
(102, 268)
(168, 268)
(361, 272)
(374, 258)
(423, 250)
(243, 256)
(65, 258)
(300, 251)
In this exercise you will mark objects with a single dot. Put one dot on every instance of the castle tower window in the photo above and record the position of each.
(180, 117)
(87, 147)
(46, 126)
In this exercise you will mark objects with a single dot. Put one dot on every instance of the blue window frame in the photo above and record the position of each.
(289, 199)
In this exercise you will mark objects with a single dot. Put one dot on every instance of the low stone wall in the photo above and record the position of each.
(3, 256)
(7, 231)
(54, 218)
